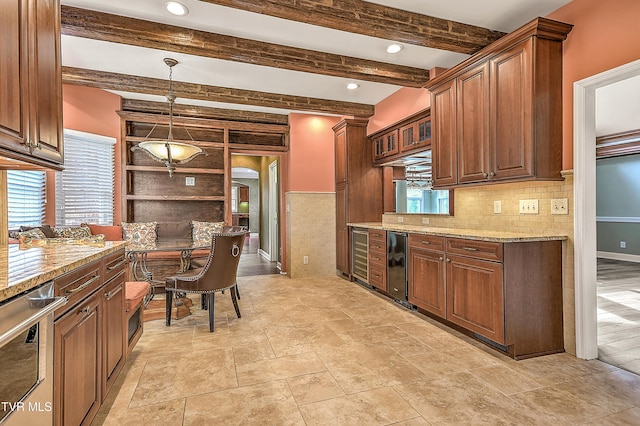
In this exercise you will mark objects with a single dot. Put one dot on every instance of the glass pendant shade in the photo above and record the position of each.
(167, 151)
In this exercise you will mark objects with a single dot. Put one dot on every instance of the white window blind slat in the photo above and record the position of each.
(26, 198)
(84, 190)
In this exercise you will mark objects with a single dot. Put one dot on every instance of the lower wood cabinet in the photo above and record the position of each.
(90, 338)
(77, 363)
(114, 338)
(509, 293)
(475, 296)
(426, 275)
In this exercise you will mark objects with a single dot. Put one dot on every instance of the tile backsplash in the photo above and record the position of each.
(474, 209)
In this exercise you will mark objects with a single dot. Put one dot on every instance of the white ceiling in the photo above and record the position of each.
(105, 56)
(618, 105)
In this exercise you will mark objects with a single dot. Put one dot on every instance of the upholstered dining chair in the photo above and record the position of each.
(218, 274)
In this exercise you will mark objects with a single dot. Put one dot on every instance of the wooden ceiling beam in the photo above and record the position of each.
(153, 86)
(136, 105)
(118, 29)
(361, 17)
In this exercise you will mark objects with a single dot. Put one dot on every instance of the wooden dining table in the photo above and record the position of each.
(137, 254)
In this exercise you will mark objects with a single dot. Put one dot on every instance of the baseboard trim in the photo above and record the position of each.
(264, 254)
(618, 256)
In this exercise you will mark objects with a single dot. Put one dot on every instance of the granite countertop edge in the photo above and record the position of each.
(471, 234)
(50, 272)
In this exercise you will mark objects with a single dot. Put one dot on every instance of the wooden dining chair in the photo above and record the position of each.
(219, 273)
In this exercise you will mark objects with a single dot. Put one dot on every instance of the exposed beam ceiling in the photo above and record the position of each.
(132, 83)
(277, 57)
(204, 112)
(375, 20)
(136, 32)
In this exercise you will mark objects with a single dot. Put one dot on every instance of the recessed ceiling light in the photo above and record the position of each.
(394, 48)
(352, 86)
(176, 8)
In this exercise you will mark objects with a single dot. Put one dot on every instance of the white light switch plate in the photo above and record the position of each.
(528, 207)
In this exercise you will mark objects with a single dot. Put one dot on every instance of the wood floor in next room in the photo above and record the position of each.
(619, 313)
(325, 351)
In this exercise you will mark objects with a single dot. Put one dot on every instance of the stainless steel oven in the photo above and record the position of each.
(26, 353)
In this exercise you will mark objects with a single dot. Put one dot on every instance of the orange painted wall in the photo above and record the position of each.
(398, 106)
(311, 153)
(606, 34)
(90, 110)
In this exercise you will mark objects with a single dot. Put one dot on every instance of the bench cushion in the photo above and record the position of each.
(134, 292)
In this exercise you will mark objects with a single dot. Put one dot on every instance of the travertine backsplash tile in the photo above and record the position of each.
(473, 209)
(311, 231)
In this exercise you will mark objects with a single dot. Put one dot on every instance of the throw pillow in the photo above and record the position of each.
(111, 232)
(140, 232)
(203, 231)
(31, 235)
(47, 230)
(75, 232)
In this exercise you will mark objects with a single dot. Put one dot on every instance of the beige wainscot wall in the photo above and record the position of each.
(473, 209)
(311, 231)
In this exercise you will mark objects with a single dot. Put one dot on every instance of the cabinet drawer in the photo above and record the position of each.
(114, 263)
(378, 247)
(377, 235)
(377, 257)
(377, 277)
(78, 284)
(477, 249)
(427, 242)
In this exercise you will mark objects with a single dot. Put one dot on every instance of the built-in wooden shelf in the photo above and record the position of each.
(176, 197)
(188, 170)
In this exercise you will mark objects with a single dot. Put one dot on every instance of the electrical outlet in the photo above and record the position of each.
(528, 206)
(305, 260)
(560, 206)
(497, 206)
(190, 181)
(400, 219)
(425, 220)
(623, 244)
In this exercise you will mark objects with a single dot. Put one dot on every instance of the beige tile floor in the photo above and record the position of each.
(324, 351)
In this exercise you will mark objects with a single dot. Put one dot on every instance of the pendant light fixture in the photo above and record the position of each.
(167, 151)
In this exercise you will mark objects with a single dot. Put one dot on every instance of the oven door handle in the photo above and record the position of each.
(24, 325)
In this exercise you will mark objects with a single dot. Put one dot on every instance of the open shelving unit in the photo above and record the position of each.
(199, 190)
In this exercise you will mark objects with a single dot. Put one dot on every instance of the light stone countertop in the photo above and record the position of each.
(471, 234)
(25, 266)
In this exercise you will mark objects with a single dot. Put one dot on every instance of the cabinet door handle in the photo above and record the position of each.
(492, 174)
(83, 286)
(395, 289)
(441, 258)
(425, 242)
(116, 266)
(375, 246)
(87, 312)
(485, 175)
(109, 295)
(469, 249)
(448, 260)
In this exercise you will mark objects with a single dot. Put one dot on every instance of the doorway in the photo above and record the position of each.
(585, 241)
(273, 212)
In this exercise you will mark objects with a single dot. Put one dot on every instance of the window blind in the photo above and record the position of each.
(84, 190)
(26, 198)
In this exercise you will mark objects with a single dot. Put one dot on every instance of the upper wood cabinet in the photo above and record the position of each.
(504, 122)
(31, 78)
(416, 134)
(410, 135)
(385, 145)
